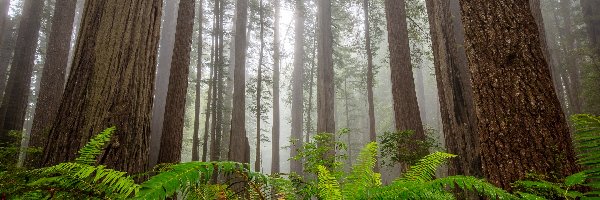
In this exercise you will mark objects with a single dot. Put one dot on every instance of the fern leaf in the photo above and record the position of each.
(87, 154)
(362, 177)
(329, 188)
(424, 170)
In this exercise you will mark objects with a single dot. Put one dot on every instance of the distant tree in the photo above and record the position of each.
(110, 84)
(238, 137)
(591, 17)
(163, 70)
(325, 84)
(297, 87)
(570, 62)
(4, 18)
(276, 118)
(370, 75)
(454, 87)
(520, 122)
(14, 103)
(259, 85)
(170, 145)
(8, 38)
(406, 108)
(197, 105)
(53, 75)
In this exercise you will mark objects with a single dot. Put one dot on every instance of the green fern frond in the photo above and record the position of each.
(469, 183)
(362, 177)
(424, 170)
(329, 188)
(182, 176)
(87, 154)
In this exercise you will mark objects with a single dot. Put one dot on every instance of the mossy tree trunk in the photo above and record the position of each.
(111, 84)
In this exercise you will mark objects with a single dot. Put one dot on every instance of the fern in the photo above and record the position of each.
(362, 177)
(89, 152)
(329, 188)
(425, 168)
(587, 143)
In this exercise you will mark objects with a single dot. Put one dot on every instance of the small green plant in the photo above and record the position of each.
(401, 147)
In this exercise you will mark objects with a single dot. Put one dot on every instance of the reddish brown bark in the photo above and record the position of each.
(297, 88)
(520, 123)
(110, 84)
(276, 118)
(197, 105)
(170, 144)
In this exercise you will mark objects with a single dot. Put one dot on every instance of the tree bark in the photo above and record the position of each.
(197, 105)
(4, 18)
(570, 60)
(297, 88)
(53, 74)
(406, 107)
(110, 84)
(276, 118)
(14, 104)
(370, 74)
(325, 73)
(163, 70)
(520, 123)
(170, 146)
(238, 138)
(9, 37)
(454, 87)
(259, 86)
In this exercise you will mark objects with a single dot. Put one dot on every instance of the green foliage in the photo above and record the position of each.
(362, 177)
(401, 147)
(9, 152)
(329, 188)
(89, 152)
(313, 153)
(425, 168)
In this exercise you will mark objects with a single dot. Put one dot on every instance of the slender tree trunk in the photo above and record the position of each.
(9, 37)
(4, 18)
(571, 65)
(259, 86)
(591, 17)
(14, 104)
(163, 71)
(217, 87)
(170, 146)
(406, 107)
(325, 84)
(110, 84)
(197, 105)
(454, 87)
(276, 118)
(347, 112)
(520, 123)
(297, 85)
(309, 125)
(370, 74)
(238, 138)
(53, 74)
(207, 115)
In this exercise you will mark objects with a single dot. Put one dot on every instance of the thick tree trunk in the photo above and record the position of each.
(170, 146)
(325, 73)
(110, 84)
(276, 118)
(238, 138)
(163, 70)
(53, 74)
(14, 104)
(454, 87)
(197, 105)
(406, 108)
(297, 88)
(520, 123)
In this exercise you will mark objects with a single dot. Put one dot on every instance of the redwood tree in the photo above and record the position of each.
(53, 74)
(519, 118)
(297, 88)
(14, 103)
(325, 74)
(170, 145)
(111, 84)
(276, 119)
(197, 105)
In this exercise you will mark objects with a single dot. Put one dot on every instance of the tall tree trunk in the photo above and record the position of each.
(309, 125)
(420, 88)
(110, 84)
(53, 74)
(276, 118)
(14, 104)
(325, 73)
(406, 107)
(170, 146)
(454, 87)
(238, 138)
(571, 65)
(297, 88)
(370, 74)
(208, 111)
(197, 105)
(4, 18)
(592, 21)
(217, 106)
(8, 38)
(259, 86)
(520, 123)
(163, 71)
